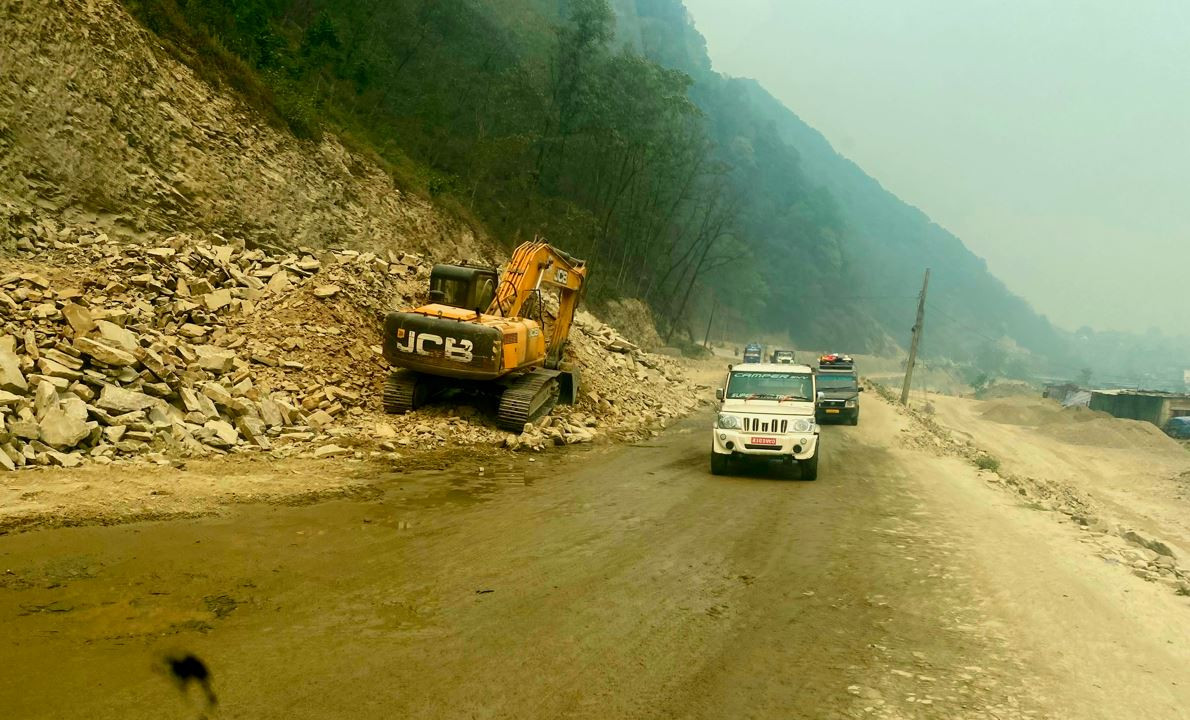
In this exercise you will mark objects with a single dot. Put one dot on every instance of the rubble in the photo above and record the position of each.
(195, 348)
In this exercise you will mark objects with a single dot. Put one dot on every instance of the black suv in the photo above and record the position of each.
(838, 390)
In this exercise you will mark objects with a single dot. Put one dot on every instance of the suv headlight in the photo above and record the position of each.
(849, 403)
(802, 426)
(728, 422)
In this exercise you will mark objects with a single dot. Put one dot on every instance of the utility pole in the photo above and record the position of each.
(921, 312)
(707, 339)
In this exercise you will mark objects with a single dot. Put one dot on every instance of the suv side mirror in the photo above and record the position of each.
(821, 395)
(719, 394)
(861, 389)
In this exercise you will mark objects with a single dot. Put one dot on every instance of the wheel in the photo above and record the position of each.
(810, 467)
(854, 419)
(791, 470)
(719, 463)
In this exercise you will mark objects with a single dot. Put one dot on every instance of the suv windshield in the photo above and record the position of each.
(836, 382)
(770, 386)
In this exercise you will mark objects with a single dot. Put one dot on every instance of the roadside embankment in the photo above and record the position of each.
(1123, 482)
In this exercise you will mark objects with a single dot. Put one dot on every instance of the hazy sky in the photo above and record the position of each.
(1052, 136)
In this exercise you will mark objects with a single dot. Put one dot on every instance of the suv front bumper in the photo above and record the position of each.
(844, 414)
(799, 446)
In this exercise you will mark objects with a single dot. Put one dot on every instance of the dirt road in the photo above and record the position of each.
(612, 583)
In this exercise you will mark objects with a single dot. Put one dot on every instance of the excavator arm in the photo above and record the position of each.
(535, 264)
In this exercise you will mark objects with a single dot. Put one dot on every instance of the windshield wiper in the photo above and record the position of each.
(783, 398)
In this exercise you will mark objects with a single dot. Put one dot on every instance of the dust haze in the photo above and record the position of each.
(1048, 136)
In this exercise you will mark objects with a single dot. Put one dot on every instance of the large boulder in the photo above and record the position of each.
(61, 430)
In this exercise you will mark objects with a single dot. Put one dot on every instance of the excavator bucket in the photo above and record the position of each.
(568, 384)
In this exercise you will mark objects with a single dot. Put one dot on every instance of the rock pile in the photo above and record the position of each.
(131, 352)
(111, 350)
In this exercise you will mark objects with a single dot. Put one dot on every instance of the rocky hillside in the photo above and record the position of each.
(101, 127)
(180, 279)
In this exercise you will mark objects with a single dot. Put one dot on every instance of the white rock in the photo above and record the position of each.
(217, 300)
(320, 419)
(60, 430)
(75, 407)
(105, 353)
(11, 377)
(223, 430)
(331, 451)
(218, 394)
(215, 358)
(118, 336)
(253, 430)
(45, 399)
(119, 400)
(271, 413)
(66, 460)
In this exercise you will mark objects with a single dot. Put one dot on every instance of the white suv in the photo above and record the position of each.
(766, 411)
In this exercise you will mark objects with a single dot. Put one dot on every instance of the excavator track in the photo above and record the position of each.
(527, 398)
(400, 391)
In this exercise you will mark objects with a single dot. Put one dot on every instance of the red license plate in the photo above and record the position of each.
(764, 441)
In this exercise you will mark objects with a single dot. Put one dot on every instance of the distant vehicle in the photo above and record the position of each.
(783, 357)
(838, 390)
(766, 412)
(1179, 428)
(753, 353)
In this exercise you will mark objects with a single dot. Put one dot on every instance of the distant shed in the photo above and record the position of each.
(1148, 405)
(1068, 394)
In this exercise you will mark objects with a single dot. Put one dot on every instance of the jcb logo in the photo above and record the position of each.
(428, 344)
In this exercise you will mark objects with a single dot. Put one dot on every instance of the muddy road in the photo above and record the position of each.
(612, 583)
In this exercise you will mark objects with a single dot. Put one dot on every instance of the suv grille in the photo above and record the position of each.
(769, 425)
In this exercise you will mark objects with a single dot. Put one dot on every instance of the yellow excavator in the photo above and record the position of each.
(485, 332)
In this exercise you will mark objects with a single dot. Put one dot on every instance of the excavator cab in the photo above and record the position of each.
(467, 287)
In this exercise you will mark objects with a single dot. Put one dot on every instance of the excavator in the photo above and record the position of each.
(489, 333)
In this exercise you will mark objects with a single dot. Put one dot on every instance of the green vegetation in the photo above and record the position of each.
(602, 126)
(987, 462)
